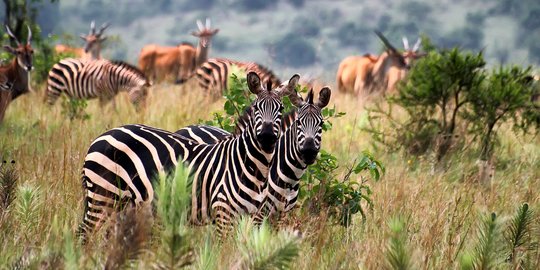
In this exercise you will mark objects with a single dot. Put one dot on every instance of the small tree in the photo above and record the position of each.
(505, 93)
(434, 93)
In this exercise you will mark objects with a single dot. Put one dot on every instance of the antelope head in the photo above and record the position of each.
(392, 53)
(205, 32)
(411, 54)
(23, 52)
(94, 40)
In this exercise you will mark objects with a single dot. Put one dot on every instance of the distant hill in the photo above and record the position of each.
(306, 36)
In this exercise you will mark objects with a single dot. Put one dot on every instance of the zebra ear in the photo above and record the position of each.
(293, 81)
(324, 97)
(254, 82)
(309, 97)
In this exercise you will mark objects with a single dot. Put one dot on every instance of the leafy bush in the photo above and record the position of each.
(433, 95)
(505, 93)
(344, 197)
(74, 108)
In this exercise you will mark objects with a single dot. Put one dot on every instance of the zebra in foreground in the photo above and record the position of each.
(213, 75)
(296, 148)
(229, 177)
(103, 79)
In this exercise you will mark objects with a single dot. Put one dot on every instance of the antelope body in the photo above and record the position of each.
(15, 74)
(179, 62)
(373, 75)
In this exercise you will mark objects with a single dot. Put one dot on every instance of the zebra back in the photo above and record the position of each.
(103, 79)
(213, 75)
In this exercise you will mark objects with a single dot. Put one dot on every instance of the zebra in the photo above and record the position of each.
(296, 149)
(103, 79)
(213, 75)
(228, 177)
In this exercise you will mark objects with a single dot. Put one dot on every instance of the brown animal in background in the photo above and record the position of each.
(160, 63)
(15, 74)
(369, 74)
(92, 44)
(352, 69)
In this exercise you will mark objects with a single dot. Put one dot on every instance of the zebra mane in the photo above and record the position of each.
(241, 123)
(275, 80)
(129, 67)
(288, 118)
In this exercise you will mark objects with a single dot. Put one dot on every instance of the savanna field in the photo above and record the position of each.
(420, 218)
(430, 154)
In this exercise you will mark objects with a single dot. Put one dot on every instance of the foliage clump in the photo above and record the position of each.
(449, 98)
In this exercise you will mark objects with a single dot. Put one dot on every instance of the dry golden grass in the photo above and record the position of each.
(441, 209)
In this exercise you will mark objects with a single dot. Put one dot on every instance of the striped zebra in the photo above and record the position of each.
(213, 75)
(228, 177)
(296, 148)
(103, 79)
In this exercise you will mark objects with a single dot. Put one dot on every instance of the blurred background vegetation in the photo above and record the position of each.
(304, 36)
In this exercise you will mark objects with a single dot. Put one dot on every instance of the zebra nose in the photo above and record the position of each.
(266, 137)
(309, 151)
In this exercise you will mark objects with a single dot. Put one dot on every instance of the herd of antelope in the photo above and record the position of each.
(363, 76)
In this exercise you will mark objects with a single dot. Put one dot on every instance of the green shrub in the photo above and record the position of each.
(74, 108)
(433, 96)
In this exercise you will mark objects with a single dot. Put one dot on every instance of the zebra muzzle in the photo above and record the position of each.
(266, 138)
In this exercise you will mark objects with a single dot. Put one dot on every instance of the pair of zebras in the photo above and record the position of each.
(255, 170)
(103, 79)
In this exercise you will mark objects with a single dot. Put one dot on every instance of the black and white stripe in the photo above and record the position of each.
(229, 177)
(103, 79)
(296, 148)
(213, 75)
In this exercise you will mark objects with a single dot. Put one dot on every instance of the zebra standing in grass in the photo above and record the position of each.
(296, 148)
(229, 177)
(103, 79)
(213, 75)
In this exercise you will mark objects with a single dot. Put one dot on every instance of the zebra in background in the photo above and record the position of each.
(103, 79)
(228, 177)
(213, 75)
(297, 148)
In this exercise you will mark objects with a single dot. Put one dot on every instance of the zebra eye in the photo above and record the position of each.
(281, 108)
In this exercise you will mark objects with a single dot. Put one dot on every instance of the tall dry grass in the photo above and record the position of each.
(440, 210)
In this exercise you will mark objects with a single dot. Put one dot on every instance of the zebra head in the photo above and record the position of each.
(266, 111)
(309, 122)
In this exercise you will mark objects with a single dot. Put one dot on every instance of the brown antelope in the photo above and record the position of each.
(92, 46)
(180, 62)
(15, 74)
(369, 74)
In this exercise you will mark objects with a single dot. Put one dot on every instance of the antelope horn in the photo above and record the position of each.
(103, 27)
(417, 45)
(29, 35)
(92, 27)
(385, 41)
(200, 25)
(208, 23)
(405, 43)
(12, 35)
